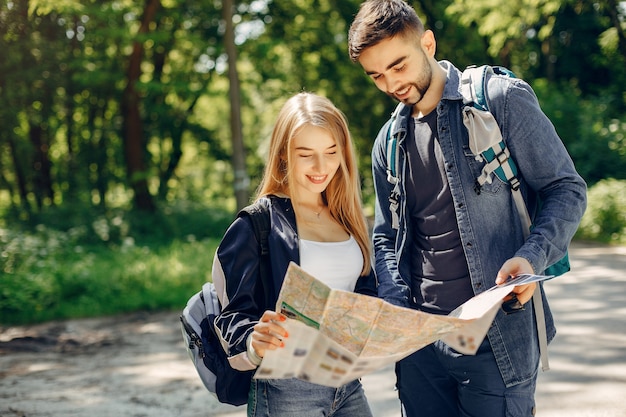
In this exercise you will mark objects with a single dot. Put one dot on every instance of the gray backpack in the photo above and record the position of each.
(197, 321)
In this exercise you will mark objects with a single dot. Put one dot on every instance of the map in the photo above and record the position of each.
(337, 336)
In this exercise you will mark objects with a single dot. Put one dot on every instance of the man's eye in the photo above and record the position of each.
(399, 68)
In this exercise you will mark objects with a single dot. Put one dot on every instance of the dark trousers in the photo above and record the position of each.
(437, 381)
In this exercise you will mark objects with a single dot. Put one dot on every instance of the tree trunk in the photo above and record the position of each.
(42, 177)
(20, 176)
(177, 132)
(133, 124)
(239, 154)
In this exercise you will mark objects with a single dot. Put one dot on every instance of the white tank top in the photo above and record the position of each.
(336, 264)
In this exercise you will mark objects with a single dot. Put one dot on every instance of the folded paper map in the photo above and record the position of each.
(337, 336)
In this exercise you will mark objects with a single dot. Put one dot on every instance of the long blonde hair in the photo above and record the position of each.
(343, 194)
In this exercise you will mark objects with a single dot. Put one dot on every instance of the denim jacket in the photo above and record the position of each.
(236, 272)
(488, 222)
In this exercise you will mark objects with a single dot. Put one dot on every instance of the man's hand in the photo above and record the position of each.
(516, 266)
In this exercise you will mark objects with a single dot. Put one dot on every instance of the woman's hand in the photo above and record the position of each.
(268, 333)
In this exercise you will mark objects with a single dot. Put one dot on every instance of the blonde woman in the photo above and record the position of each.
(312, 189)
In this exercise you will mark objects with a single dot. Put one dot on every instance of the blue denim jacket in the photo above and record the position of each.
(488, 222)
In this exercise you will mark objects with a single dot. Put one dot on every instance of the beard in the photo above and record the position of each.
(419, 89)
(420, 86)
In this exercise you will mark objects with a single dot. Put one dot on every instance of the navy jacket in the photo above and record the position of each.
(236, 271)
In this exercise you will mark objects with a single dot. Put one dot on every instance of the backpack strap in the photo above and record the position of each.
(474, 91)
(497, 158)
(473, 86)
(392, 156)
(498, 161)
(391, 147)
(260, 217)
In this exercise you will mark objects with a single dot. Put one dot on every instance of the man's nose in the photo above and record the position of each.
(392, 84)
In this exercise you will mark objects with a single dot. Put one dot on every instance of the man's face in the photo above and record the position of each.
(399, 67)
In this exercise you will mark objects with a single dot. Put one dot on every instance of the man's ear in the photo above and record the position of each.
(429, 44)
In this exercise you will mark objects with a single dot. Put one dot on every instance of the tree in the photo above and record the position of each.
(115, 87)
(133, 132)
(239, 156)
(122, 104)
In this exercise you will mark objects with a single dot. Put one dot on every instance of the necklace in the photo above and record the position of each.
(318, 212)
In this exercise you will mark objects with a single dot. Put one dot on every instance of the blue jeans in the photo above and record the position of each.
(297, 398)
(437, 381)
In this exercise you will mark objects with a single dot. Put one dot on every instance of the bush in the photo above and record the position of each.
(113, 263)
(592, 128)
(89, 225)
(47, 282)
(605, 218)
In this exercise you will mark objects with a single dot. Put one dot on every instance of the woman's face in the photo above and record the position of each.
(315, 158)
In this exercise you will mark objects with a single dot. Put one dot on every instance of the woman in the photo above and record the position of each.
(311, 187)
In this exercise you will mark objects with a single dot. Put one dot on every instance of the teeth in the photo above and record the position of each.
(318, 178)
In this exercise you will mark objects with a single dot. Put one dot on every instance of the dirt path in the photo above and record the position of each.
(132, 365)
(136, 365)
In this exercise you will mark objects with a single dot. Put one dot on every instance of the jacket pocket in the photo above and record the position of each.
(494, 186)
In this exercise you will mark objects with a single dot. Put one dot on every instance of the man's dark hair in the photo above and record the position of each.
(381, 19)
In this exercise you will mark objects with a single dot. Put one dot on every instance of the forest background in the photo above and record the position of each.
(132, 131)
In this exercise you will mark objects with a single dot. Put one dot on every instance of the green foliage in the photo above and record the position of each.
(592, 129)
(63, 71)
(79, 281)
(501, 21)
(113, 264)
(605, 218)
(565, 41)
(122, 261)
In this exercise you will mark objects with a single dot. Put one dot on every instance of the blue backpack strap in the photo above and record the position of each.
(392, 156)
(391, 147)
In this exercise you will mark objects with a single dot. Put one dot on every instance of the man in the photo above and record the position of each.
(447, 239)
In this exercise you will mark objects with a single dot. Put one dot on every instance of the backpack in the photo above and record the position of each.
(498, 161)
(199, 335)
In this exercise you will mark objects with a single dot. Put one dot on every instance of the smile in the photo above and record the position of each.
(318, 179)
(403, 92)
